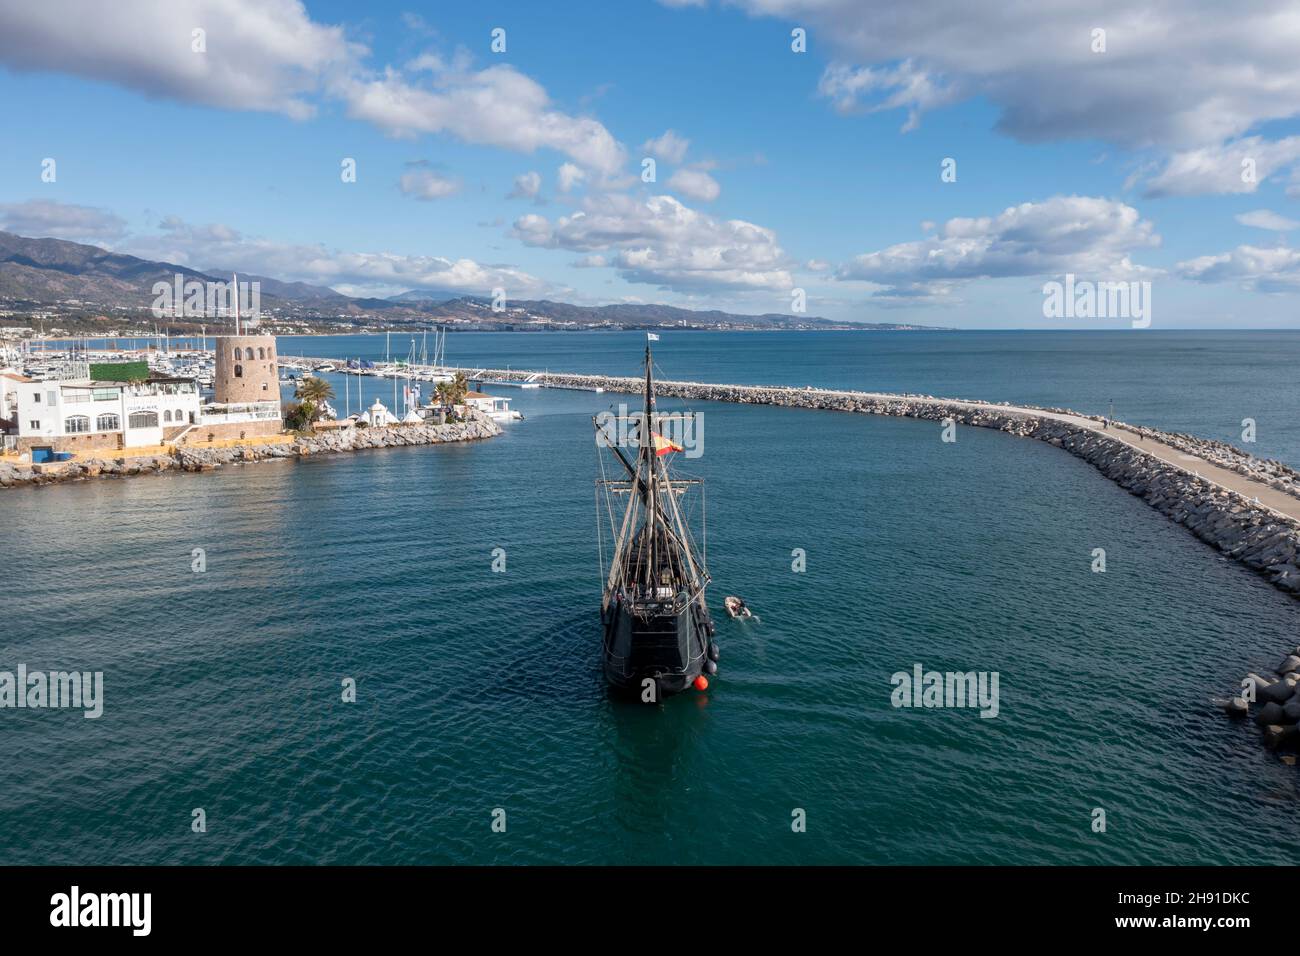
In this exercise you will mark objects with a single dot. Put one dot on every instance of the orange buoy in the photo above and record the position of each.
(701, 683)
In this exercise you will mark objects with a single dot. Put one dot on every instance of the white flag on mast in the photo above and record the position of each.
(651, 337)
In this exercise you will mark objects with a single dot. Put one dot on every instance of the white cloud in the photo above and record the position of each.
(49, 219)
(221, 248)
(1267, 219)
(1036, 63)
(669, 147)
(497, 106)
(904, 85)
(1176, 76)
(569, 176)
(270, 55)
(266, 55)
(695, 184)
(1087, 236)
(660, 241)
(1256, 269)
(1223, 168)
(424, 182)
(527, 186)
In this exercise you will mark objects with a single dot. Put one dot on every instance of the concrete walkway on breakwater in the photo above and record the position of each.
(1148, 442)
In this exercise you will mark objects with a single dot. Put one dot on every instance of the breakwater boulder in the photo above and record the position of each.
(338, 440)
(1276, 704)
(193, 459)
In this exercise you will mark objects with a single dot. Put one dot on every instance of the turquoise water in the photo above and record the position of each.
(481, 690)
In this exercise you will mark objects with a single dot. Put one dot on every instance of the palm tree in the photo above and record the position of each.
(459, 386)
(314, 390)
(453, 392)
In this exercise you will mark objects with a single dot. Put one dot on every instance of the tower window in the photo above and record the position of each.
(239, 371)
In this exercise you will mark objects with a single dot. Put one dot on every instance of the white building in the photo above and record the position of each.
(10, 379)
(494, 406)
(81, 414)
(378, 415)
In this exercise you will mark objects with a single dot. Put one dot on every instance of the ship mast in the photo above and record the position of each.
(662, 542)
(648, 457)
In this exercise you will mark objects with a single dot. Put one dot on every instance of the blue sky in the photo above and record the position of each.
(816, 170)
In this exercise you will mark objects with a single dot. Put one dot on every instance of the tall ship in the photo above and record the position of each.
(658, 636)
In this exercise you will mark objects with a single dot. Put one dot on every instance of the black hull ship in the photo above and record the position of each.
(658, 636)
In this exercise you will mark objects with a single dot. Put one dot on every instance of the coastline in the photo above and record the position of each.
(198, 458)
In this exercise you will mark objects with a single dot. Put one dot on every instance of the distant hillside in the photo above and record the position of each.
(87, 288)
(45, 271)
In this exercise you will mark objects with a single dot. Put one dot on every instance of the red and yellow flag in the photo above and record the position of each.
(663, 445)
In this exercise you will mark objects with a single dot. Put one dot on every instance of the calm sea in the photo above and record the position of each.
(479, 691)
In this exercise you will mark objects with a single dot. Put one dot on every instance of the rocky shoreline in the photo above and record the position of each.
(1277, 706)
(196, 459)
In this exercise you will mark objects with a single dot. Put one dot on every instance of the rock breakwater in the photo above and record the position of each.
(191, 458)
(1259, 537)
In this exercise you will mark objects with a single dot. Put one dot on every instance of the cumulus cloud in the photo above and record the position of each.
(424, 182)
(660, 241)
(527, 186)
(569, 176)
(49, 219)
(1236, 167)
(267, 55)
(669, 147)
(270, 55)
(1088, 236)
(1036, 62)
(695, 184)
(220, 248)
(1256, 269)
(497, 106)
(1176, 75)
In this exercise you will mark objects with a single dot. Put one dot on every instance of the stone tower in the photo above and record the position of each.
(246, 370)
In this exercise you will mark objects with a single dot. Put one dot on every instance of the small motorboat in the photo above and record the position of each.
(736, 607)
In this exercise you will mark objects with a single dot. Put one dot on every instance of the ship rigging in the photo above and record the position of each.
(658, 636)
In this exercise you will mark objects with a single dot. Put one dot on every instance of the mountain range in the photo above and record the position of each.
(87, 285)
